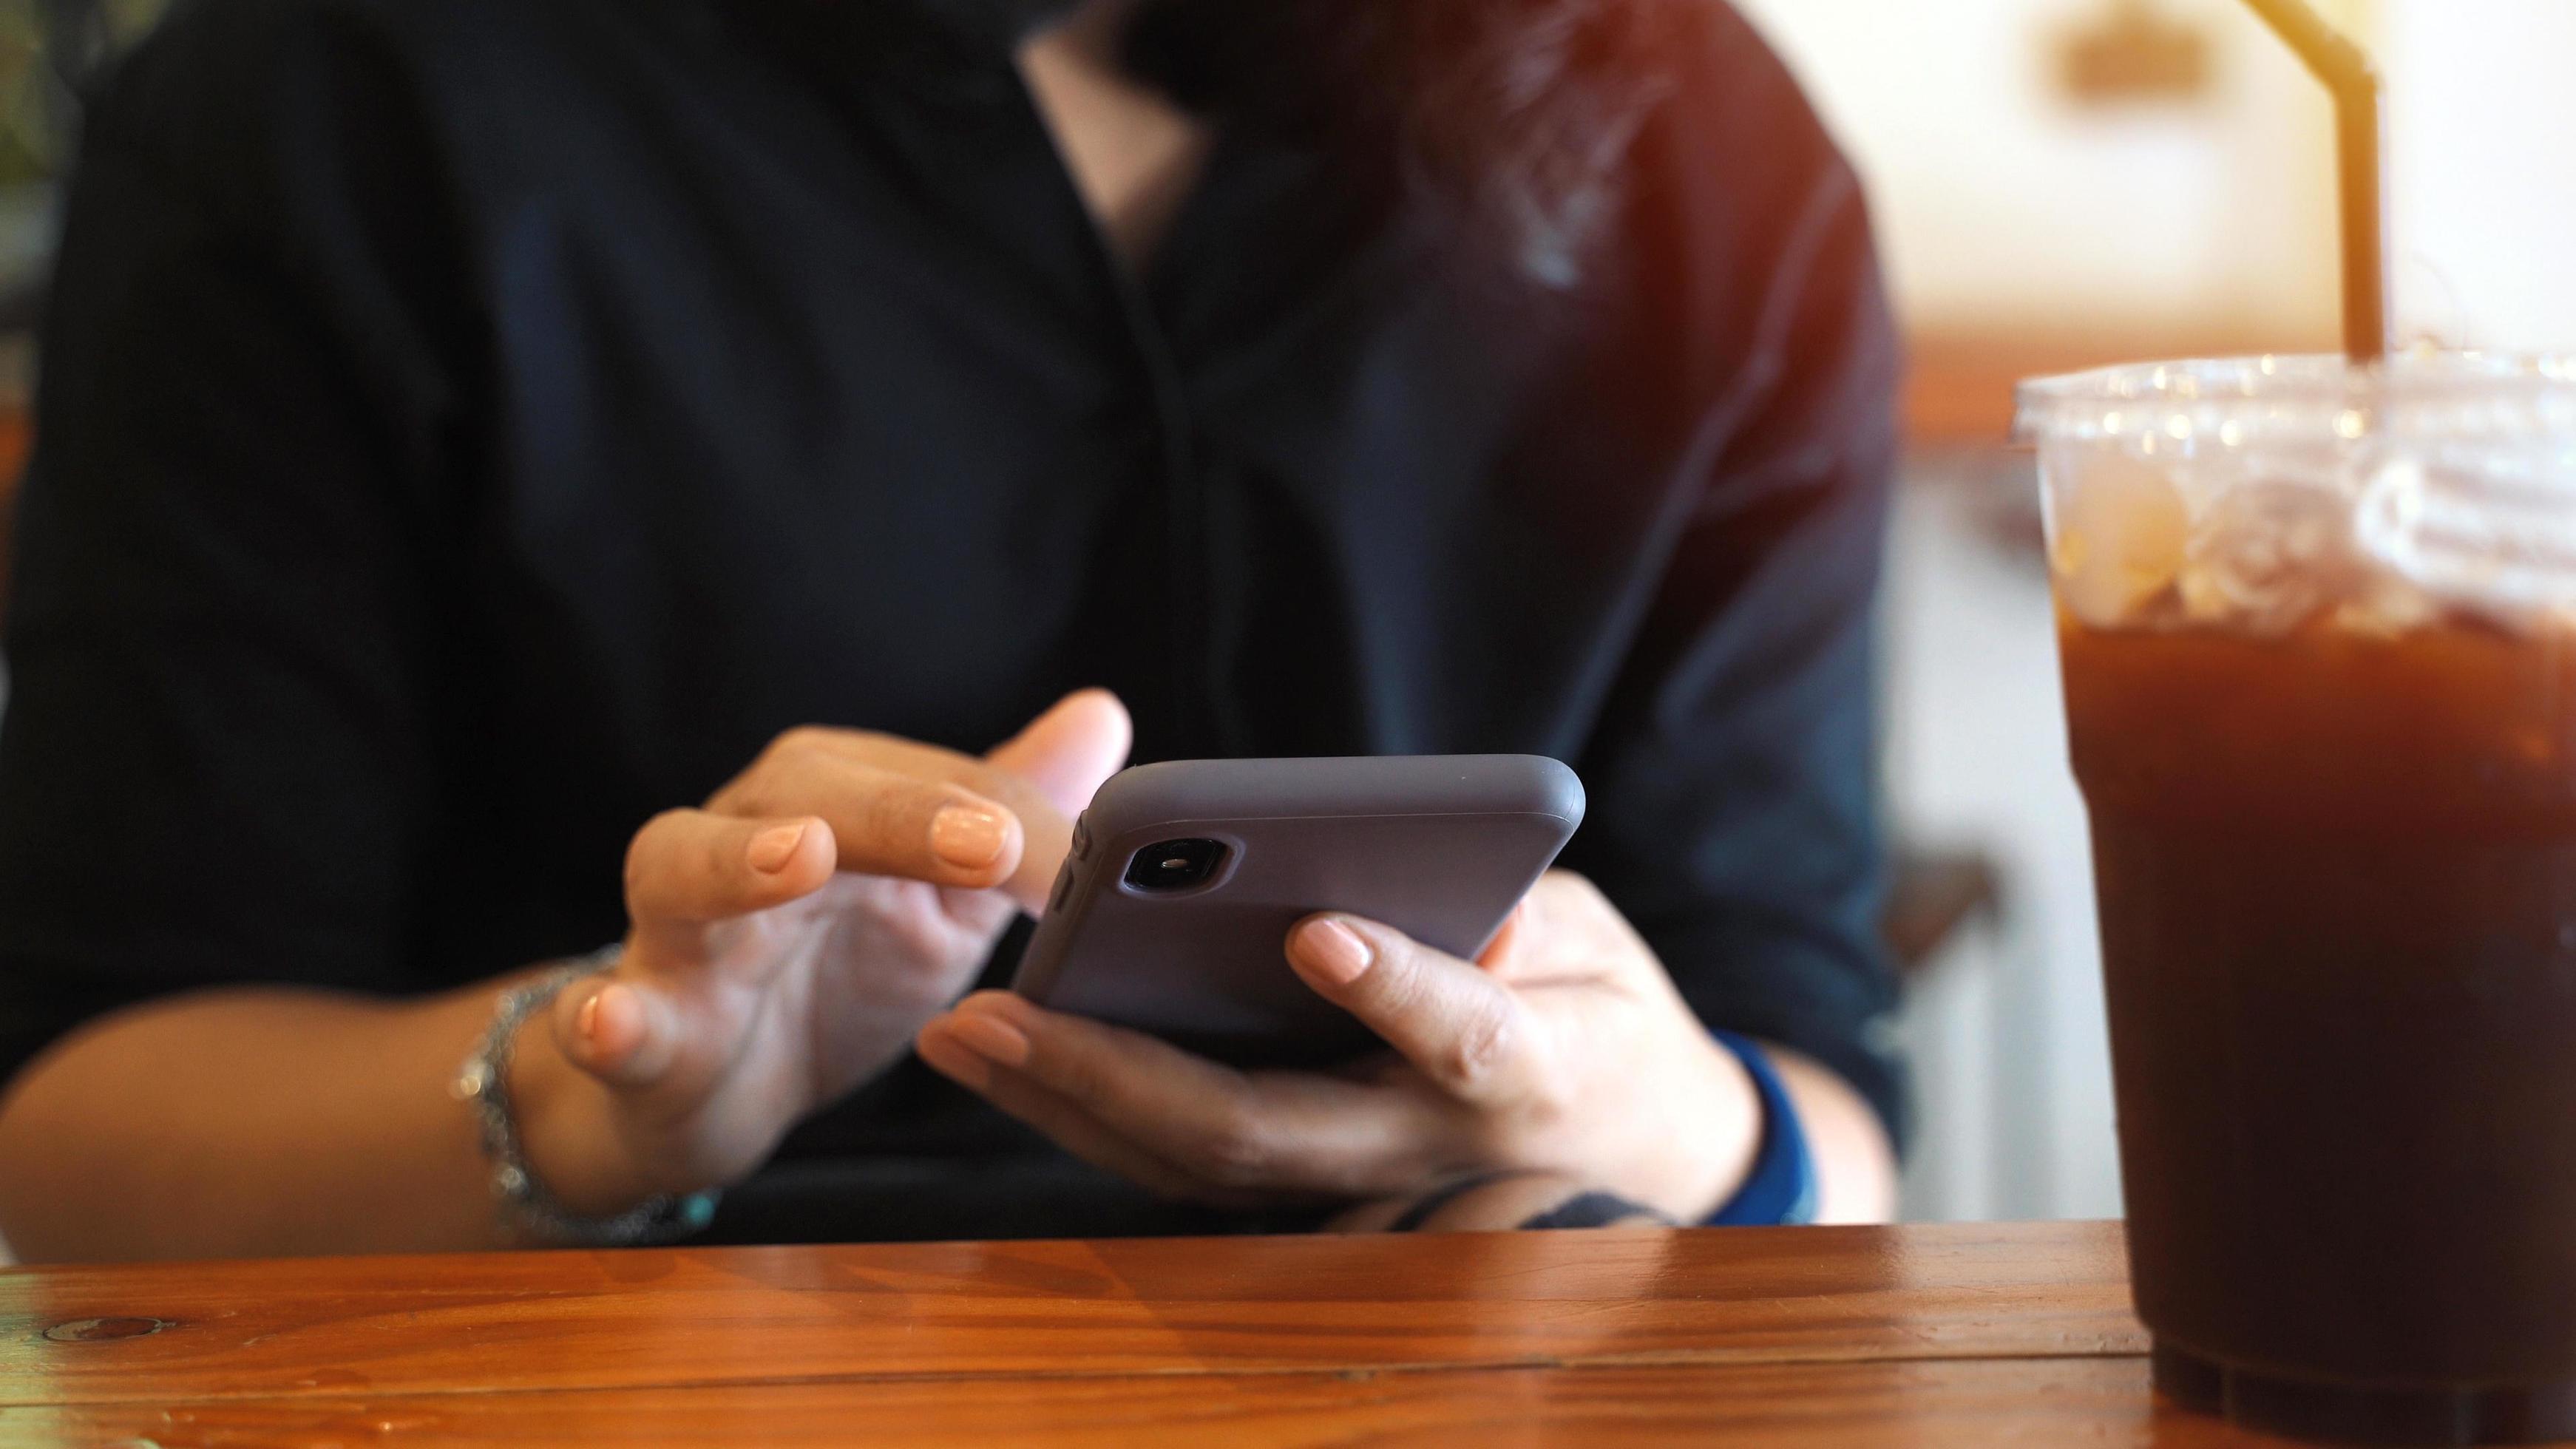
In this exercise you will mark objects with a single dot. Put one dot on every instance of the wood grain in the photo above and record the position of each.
(1937, 1404)
(565, 1321)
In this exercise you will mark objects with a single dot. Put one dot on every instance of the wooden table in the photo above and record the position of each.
(1971, 1335)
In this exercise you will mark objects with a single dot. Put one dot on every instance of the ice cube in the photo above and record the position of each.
(2122, 533)
(2478, 534)
(2267, 555)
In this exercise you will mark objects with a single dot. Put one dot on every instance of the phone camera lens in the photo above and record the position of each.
(1174, 865)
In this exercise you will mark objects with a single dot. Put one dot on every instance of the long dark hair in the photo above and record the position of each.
(1510, 118)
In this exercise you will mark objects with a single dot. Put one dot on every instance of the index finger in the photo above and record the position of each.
(1044, 829)
(1456, 1024)
(886, 822)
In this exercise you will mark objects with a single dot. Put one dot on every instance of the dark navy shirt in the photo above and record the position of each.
(468, 427)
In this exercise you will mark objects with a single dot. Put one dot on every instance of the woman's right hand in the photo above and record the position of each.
(791, 937)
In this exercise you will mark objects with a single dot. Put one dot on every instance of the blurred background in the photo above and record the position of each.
(2061, 183)
(2058, 183)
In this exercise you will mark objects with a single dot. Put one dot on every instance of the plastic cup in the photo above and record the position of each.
(2316, 626)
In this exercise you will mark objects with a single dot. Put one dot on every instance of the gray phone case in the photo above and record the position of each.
(1440, 847)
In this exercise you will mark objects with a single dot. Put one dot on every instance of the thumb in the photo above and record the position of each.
(1069, 751)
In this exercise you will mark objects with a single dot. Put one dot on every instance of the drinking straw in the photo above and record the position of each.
(2360, 152)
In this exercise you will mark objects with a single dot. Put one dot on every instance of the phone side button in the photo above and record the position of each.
(1082, 835)
(1063, 889)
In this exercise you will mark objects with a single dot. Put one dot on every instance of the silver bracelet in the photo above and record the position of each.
(528, 1212)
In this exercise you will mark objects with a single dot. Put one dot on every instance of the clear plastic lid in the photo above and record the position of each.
(2252, 491)
(2431, 391)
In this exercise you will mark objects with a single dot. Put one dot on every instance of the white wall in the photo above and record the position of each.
(2482, 115)
(2012, 1060)
(2002, 206)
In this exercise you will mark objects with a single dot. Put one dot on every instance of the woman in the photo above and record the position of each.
(473, 434)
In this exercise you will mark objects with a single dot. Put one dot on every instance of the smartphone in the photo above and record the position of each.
(1172, 912)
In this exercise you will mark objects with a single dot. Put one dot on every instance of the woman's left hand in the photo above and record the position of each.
(1564, 1048)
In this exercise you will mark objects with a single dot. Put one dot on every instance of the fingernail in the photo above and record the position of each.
(991, 1037)
(585, 1022)
(772, 849)
(1333, 951)
(969, 837)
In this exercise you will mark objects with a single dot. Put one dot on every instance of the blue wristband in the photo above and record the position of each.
(1781, 1188)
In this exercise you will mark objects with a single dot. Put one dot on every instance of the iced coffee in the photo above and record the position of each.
(2318, 631)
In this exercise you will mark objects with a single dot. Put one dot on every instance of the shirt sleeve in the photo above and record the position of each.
(1733, 774)
(212, 766)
